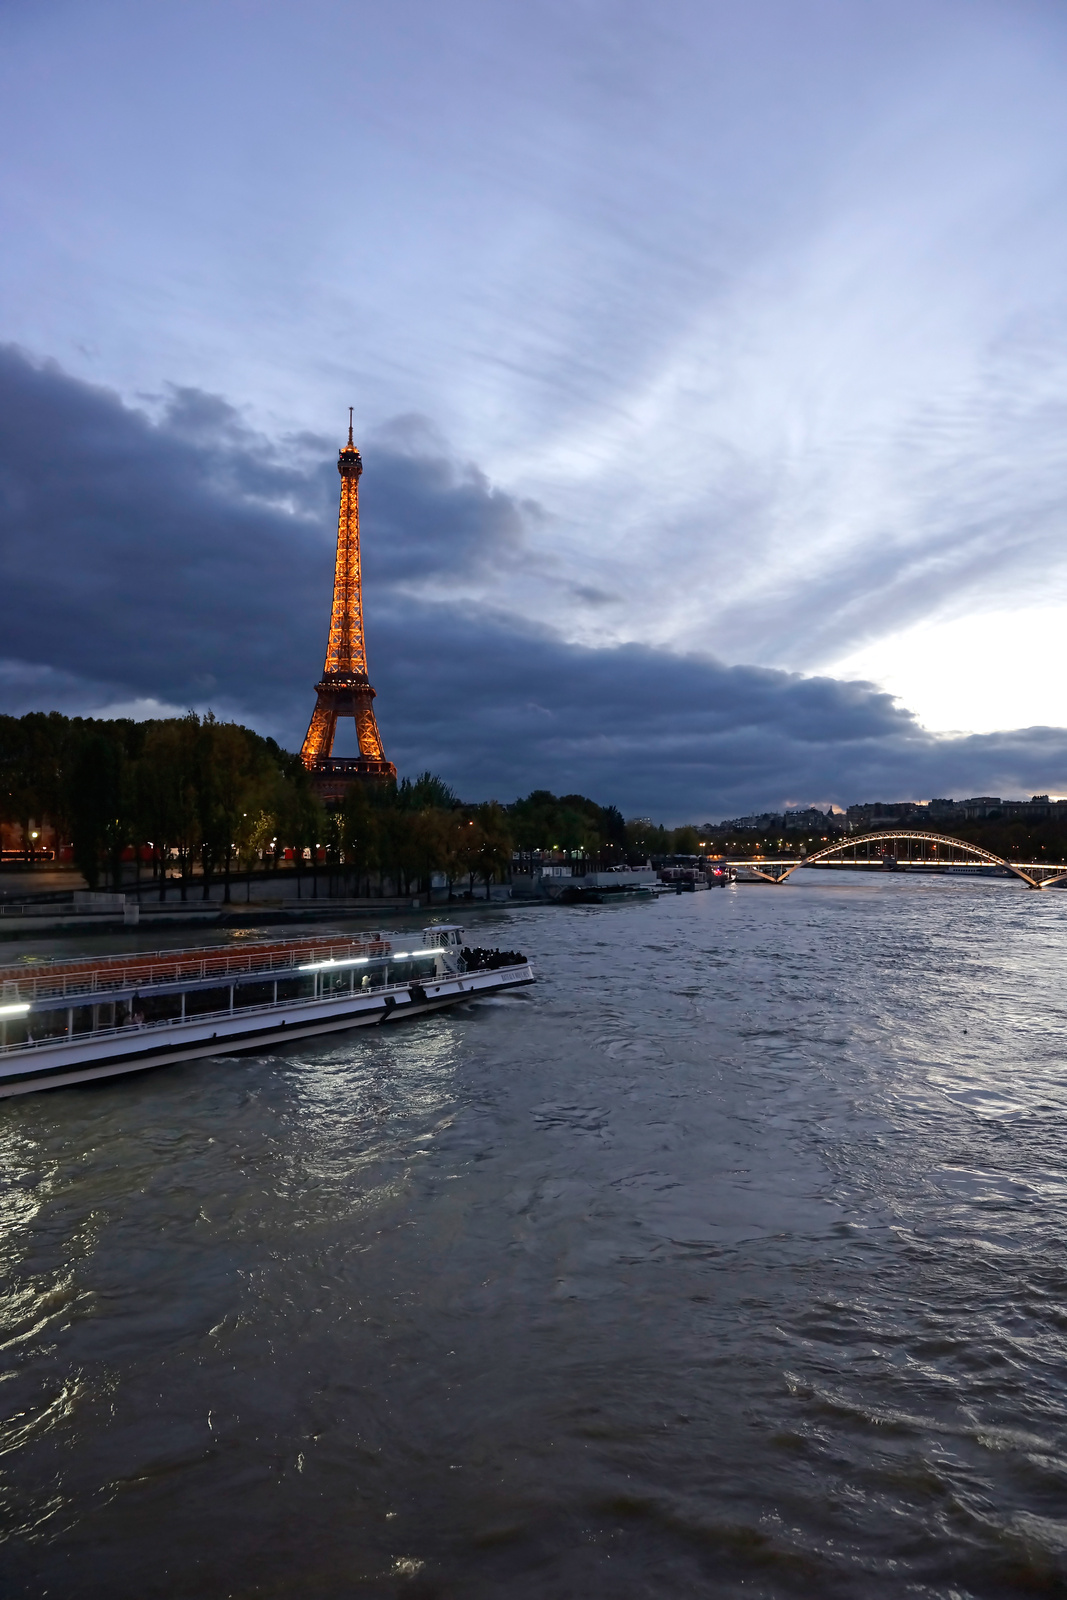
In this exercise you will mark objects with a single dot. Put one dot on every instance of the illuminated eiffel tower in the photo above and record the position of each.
(345, 690)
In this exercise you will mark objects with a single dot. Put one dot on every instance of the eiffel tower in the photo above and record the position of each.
(344, 690)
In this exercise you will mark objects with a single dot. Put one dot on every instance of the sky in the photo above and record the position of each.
(709, 365)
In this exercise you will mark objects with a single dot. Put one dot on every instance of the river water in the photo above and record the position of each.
(730, 1260)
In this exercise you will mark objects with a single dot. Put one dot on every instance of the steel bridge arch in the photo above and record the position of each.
(1028, 871)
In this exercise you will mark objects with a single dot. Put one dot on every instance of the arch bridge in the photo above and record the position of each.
(902, 848)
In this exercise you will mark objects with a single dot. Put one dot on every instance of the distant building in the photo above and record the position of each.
(878, 816)
(764, 822)
(803, 820)
(943, 813)
(812, 820)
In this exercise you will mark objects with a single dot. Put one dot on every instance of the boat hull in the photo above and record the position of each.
(111, 1054)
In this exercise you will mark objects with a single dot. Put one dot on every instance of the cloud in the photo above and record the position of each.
(499, 708)
(153, 559)
(188, 556)
(434, 521)
(162, 558)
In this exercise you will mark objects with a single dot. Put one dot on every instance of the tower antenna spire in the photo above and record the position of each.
(351, 444)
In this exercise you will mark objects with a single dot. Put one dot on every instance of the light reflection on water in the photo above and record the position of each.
(729, 1260)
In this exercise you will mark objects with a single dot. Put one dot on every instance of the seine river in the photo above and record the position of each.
(730, 1260)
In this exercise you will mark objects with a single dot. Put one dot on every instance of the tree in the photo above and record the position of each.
(573, 823)
(398, 847)
(255, 831)
(644, 838)
(232, 776)
(47, 754)
(450, 843)
(534, 821)
(494, 845)
(18, 797)
(614, 831)
(167, 802)
(428, 792)
(34, 757)
(468, 851)
(99, 803)
(300, 821)
(360, 834)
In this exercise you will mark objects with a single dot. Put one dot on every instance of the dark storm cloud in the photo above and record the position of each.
(498, 709)
(430, 519)
(169, 559)
(184, 559)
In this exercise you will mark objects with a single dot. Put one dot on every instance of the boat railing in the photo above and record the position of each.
(55, 983)
(129, 1029)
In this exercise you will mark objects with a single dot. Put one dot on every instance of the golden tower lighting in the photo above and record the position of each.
(344, 690)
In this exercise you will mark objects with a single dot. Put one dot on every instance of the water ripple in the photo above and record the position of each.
(726, 1262)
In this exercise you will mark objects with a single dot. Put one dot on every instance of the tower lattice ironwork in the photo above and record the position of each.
(345, 690)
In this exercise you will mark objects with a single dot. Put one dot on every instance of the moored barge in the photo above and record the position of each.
(68, 1021)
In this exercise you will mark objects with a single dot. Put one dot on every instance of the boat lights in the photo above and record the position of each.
(15, 1011)
(322, 966)
(362, 961)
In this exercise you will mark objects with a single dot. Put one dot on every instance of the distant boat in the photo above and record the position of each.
(69, 1021)
(978, 871)
(579, 894)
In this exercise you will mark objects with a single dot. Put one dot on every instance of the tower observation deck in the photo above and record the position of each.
(344, 689)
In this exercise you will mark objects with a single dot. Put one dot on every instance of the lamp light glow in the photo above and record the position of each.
(361, 961)
(325, 966)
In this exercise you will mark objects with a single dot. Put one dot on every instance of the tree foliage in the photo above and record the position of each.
(194, 799)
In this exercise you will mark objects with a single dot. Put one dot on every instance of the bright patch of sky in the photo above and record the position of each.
(1002, 669)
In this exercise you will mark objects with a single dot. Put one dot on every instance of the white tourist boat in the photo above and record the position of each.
(68, 1021)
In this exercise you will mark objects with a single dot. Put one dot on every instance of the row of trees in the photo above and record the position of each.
(191, 790)
(203, 800)
(649, 840)
(580, 826)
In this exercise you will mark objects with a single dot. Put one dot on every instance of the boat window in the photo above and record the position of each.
(253, 994)
(161, 1008)
(47, 1024)
(197, 1001)
(301, 988)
